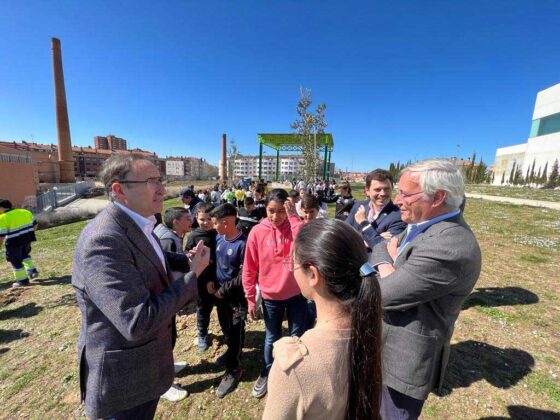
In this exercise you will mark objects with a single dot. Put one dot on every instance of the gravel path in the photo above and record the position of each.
(518, 201)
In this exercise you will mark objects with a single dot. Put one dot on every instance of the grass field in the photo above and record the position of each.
(516, 192)
(500, 191)
(505, 360)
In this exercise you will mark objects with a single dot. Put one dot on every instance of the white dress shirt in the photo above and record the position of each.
(146, 225)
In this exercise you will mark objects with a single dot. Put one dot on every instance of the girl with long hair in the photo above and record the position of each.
(334, 370)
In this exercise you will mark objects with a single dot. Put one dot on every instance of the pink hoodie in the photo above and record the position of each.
(267, 249)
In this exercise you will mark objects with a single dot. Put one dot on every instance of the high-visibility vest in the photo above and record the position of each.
(17, 227)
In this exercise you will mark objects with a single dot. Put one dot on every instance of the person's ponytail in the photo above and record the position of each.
(339, 254)
(365, 381)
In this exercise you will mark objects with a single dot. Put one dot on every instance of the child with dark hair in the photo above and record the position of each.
(177, 222)
(248, 216)
(294, 196)
(17, 228)
(228, 290)
(334, 370)
(310, 208)
(260, 203)
(268, 249)
(206, 233)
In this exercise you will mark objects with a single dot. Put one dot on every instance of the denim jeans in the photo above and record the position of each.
(296, 308)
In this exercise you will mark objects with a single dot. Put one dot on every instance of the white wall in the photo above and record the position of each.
(548, 102)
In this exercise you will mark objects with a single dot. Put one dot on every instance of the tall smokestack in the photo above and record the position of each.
(65, 158)
(223, 168)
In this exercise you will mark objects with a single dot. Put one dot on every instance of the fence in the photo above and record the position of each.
(60, 196)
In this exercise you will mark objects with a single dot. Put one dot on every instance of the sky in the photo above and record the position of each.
(402, 80)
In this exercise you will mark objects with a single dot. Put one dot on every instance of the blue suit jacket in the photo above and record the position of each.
(128, 302)
(389, 220)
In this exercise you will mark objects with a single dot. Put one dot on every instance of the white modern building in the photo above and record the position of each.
(291, 166)
(543, 145)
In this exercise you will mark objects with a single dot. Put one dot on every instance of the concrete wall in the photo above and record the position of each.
(540, 149)
(548, 102)
(505, 158)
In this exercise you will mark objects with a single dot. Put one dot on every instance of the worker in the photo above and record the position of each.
(17, 229)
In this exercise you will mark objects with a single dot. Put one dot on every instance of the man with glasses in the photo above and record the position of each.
(426, 273)
(376, 217)
(127, 296)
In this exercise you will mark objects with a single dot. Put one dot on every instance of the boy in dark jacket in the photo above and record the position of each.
(248, 216)
(228, 290)
(206, 302)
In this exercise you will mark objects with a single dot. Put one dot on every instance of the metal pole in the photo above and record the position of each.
(325, 163)
(277, 164)
(260, 161)
(329, 165)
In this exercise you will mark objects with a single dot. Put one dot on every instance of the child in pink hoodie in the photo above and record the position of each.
(268, 263)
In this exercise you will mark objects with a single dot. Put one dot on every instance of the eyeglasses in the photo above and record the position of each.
(289, 263)
(157, 182)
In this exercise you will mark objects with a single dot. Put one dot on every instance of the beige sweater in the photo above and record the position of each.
(309, 376)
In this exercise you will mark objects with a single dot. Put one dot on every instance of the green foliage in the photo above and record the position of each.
(308, 125)
(554, 179)
(232, 154)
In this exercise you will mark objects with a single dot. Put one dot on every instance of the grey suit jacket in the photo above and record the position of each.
(128, 303)
(421, 302)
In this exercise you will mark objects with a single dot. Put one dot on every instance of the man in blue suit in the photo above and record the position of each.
(127, 296)
(377, 217)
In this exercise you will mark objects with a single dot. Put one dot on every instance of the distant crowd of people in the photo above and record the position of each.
(371, 295)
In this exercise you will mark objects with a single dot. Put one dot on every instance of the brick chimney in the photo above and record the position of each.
(65, 157)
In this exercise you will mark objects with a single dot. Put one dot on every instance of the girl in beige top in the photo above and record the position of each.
(334, 370)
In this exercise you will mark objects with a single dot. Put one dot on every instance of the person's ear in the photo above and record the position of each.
(439, 198)
(313, 276)
(117, 190)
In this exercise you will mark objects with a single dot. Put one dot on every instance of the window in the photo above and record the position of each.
(545, 125)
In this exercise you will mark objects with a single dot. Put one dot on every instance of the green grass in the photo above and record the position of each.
(505, 346)
(497, 314)
(515, 192)
(545, 385)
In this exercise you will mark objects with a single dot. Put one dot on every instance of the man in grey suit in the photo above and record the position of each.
(425, 275)
(127, 297)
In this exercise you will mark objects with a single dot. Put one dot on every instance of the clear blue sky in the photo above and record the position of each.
(401, 79)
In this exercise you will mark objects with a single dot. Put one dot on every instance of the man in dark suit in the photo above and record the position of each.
(425, 275)
(377, 217)
(127, 297)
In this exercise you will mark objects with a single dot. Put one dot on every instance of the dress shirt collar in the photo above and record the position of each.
(422, 226)
(146, 225)
(373, 215)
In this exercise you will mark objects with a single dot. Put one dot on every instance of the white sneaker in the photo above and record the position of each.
(175, 393)
(179, 366)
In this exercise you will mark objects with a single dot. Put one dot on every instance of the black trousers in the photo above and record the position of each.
(232, 321)
(398, 406)
(203, 310)
(144, 411)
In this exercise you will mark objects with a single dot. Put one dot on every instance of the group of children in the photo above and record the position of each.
(251, 255)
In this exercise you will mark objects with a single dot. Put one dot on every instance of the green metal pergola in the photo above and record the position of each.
(292, 143)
